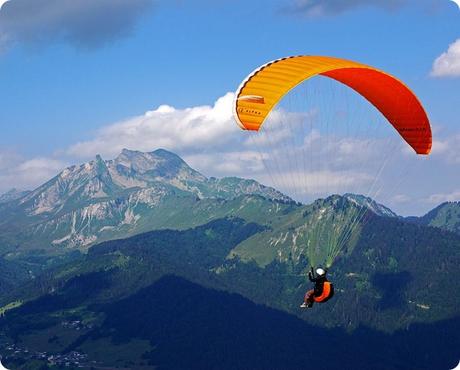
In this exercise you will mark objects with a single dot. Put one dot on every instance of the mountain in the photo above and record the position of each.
(318, 231)
(142, 300)
(135, 192)
(138, 192)
(381, 283)
(446, 216)
(174, 323)
(174, 261)
(160, 172)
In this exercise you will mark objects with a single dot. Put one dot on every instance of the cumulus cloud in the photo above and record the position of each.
(446, 148)
(83, 23)
(448, 63)
(228, 163)
(180, 130)
(17, 172)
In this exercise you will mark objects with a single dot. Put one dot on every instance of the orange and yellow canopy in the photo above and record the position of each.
(266, 86)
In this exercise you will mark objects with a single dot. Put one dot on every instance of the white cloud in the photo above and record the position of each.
(323, 182)
(446, 148)
(231, 163)
(311, 137)
(180, 130)
(448, 63)
(440, 146)
(16, 172)
(436, 199)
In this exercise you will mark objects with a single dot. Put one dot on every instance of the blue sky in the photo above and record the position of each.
(71, 71)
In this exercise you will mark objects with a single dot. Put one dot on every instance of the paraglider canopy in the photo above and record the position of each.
(322, 127)
(266, 86)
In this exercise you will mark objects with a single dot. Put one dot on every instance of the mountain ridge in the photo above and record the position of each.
(88, 202)
(445, 216)
(226, 235)
(140, 191)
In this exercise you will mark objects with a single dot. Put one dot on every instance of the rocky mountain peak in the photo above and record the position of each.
(356, 200)
(103, 198)
(156, 165)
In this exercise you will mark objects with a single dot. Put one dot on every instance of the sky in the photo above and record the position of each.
(86, 77)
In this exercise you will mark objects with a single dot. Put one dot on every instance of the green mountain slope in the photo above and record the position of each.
(226, 235)
(209, 329)
(319, 232)
(446, 216)
(386, 282)
(138, 192)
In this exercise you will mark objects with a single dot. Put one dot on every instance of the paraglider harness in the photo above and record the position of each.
(323, 290)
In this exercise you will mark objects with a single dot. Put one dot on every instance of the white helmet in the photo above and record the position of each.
(320, 271)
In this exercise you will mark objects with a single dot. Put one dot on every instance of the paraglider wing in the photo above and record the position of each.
(266, 86)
